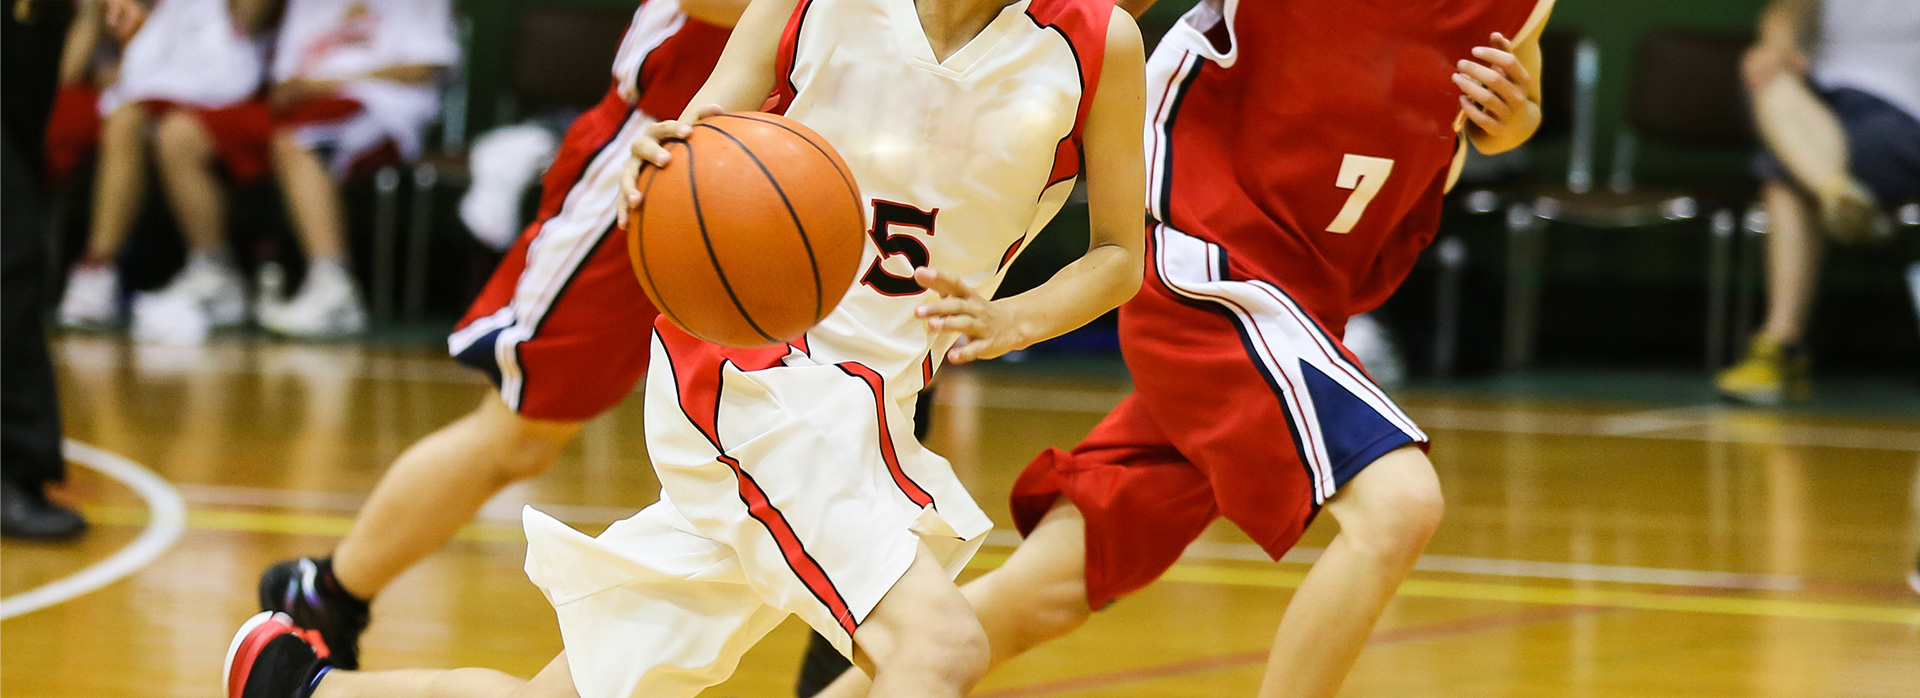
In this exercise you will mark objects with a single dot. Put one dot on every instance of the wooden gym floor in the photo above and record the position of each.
(1590, 549)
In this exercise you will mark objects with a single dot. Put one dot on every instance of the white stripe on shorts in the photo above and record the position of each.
(559, 248)
(1282, 337)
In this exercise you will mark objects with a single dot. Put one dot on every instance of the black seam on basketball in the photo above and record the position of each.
(845, 177)
(819, 292)
(693, 191)
(640, 244)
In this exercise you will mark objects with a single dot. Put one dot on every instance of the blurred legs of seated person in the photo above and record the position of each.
(197, 153)
(1835, 158)
(327, 303)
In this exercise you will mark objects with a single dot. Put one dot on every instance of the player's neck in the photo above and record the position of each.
(950, 24)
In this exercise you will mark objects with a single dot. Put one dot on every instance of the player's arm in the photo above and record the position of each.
(83, 38)
(721, 13)
(1109, 273)
(1500, 93)
(741, 81)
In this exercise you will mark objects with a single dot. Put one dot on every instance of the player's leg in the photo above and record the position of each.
(328, 302)
(92, 294)
(433, 488)
(1802, 131)
(552, 682)
(186, 157)
(1037, 595)
(185, 153)
(313, 198)
(1386, 514)
(120, 181)
(922, 639)
(438, 484)
(1775, 367)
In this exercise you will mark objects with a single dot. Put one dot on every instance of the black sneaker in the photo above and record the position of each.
(272, 658)
(304, 589)
(821, 666)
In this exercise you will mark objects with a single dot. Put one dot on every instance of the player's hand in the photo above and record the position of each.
(648, 150)
(288, 94)
(1768, 60)
(986, 330)
(1494, 93)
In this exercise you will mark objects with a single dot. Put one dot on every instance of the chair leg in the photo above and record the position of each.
(1719, 280)
(419, 234)
(1747, 257)
(1526, 248)
(1446, 307)
(386, 185)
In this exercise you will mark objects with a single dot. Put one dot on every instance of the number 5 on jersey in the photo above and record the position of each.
(1364, 175)
(886, 216)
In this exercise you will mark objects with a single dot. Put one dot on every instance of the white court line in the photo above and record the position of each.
(1663, 424)
(1494, 567)
(167, 521)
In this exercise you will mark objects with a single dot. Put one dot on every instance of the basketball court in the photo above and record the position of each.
(1604, 537)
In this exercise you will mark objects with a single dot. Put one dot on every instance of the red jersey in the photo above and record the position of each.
(1313, 140)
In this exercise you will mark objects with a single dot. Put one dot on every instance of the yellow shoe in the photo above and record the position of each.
(1771, 374)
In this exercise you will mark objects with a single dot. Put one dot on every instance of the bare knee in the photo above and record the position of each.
(1393, 506)
(181, 141)
(952, 646)
(124, 127)
(524, 447)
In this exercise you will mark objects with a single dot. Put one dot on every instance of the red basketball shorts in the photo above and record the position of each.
(563, 328)
(1244, 407)
(239, 133)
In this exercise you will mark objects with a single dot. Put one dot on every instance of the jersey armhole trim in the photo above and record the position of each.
(1536, 22)
(784, 90)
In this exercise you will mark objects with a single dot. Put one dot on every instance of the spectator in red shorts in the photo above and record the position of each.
(354, 88)
(188, 65)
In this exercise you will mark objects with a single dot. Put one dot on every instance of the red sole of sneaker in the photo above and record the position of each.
(253, 635)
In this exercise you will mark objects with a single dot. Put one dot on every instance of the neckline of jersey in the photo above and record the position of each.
(912, 36)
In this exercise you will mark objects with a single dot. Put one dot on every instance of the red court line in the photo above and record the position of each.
(1226, 661)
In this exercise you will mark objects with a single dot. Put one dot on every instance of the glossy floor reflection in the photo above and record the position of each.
(1615, 549)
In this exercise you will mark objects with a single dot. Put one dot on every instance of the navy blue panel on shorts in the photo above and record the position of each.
(479, 356)
(1356, 433)
(1883, 146)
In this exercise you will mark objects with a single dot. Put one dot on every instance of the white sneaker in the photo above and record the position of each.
(213, 284)
(327, 306)
(169, 316)
(92, 300)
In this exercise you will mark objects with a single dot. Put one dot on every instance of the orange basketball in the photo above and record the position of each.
(752, 232)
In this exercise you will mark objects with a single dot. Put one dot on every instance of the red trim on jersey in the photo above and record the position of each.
(1007, 257)
(697, 368)
(907, 486)
(811, 574)
(926, 370)
(783, 88)
(1083, 23)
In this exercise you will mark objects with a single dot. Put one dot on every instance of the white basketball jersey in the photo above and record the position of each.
(190, 52)
(961, 162)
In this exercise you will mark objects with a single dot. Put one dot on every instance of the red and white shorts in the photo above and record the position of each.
(562, 327)
(790, 485)
(1244, 407)
(239, 132)
(356, 141)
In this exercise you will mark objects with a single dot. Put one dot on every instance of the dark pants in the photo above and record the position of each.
(29, 412)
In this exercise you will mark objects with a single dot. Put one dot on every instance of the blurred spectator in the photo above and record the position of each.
(1842, 130)
(187, 85)
(30, 457)
(354, 89)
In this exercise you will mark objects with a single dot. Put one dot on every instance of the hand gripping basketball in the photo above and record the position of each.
(744, 229)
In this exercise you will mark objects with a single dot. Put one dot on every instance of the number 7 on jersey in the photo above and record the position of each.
(1364, 175)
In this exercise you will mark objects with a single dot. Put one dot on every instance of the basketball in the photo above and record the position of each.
(751, 233)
